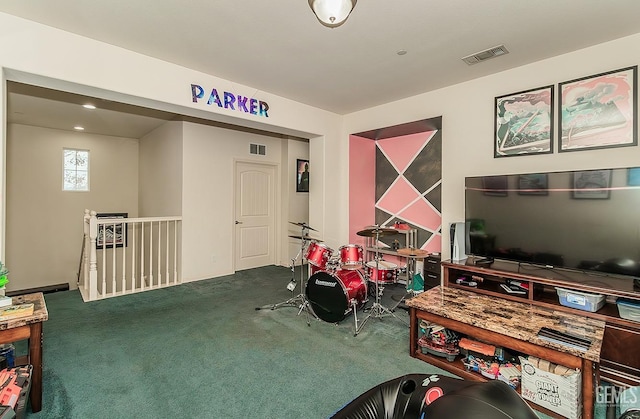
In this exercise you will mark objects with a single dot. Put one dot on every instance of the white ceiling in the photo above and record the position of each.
(37, 106)
(280, 47)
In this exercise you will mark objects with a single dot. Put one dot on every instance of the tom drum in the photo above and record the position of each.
(318, 254)
(350, 256)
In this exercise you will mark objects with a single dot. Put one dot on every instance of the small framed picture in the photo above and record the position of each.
(523, 123)
(302, 175)
(591, 184)
(599, 111)
(533, 184)
(112, 234)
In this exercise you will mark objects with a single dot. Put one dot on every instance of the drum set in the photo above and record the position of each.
(340, 283)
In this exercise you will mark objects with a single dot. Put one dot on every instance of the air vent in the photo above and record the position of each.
(258, 149)
(485, 55)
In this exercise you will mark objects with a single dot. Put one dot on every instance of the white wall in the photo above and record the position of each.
(209, 157)
(44, 237)
(161, 171)
(467, 121)
(45, 56)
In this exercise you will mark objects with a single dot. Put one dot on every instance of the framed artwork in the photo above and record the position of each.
(591, 184)
(633, 176)
(523, 123)
(113, 233)
(599, 111)
(302, 175)
(495, 185)
(533, 184)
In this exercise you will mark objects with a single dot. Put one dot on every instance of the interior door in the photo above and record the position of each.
(255, 199)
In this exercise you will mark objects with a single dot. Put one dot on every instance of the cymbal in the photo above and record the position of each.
(302, 225)
(304, 237)
(376, 231)
(408, 251)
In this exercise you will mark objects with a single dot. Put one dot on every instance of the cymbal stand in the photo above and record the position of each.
(377, 309)
(300, 301)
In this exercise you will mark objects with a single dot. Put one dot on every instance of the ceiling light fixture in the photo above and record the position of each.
(88, 106)
(78, 128)
(332, 13)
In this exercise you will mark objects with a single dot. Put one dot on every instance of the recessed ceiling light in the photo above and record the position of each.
(88, 106)
(78, 128)
(401, 52)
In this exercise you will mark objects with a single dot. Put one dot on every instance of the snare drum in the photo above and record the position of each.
(385, 273)
(350, 256)
(318, 254)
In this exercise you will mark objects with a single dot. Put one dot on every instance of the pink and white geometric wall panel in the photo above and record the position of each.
(422, 215)
(362, 178)
(402, 150)
(407, 186)
(398, 197)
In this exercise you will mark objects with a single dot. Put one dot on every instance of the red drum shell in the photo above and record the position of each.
(318, 254)
(351, 256)
(385, 273)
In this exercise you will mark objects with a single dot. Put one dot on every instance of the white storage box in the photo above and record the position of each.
(580, 300)
(629, 309)
(560, 393)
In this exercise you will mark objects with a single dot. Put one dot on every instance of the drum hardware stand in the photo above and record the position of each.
(377, 309)
(412, 255)
(299, 301)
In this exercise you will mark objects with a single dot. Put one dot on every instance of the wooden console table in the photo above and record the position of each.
(512, 325)
(29, 327)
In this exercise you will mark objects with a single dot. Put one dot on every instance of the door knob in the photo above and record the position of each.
(238, 222)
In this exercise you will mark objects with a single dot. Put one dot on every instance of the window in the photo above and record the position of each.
(75, 170)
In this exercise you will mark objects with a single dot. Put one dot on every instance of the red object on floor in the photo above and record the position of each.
(15, 384)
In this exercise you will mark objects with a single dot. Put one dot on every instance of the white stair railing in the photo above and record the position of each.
(128, 255)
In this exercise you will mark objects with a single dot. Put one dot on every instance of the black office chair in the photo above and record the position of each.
(432, 396)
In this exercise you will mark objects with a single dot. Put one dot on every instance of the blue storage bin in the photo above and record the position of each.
(580, 300)
(629, 309)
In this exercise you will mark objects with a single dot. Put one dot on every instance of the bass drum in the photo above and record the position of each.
(330, 294)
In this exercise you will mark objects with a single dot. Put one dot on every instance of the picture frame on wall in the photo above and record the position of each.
(599, 111)
(523, 123)
(302, 175)
(112, 234)
(591, 184)
(533, 184)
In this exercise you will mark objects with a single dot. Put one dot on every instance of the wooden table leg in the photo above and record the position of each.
(35, 358)
(588, 387)
(413, 331)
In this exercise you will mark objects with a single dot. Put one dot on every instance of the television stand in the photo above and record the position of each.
(619, 360)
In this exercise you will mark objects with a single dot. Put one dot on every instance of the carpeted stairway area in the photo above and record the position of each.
(202, 350)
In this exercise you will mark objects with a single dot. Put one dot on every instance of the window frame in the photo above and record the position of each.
(64, 169)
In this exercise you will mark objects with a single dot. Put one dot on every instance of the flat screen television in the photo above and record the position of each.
(585, 220)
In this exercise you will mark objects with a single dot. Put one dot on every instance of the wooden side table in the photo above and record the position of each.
(30, 328)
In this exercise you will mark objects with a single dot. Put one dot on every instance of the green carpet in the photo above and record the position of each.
(202, 350)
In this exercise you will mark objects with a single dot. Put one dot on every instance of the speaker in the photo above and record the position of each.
(458, 235)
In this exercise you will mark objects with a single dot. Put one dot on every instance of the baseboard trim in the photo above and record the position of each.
(45, 290)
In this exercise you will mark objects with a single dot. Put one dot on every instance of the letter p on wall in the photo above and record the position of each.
(197, 92)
